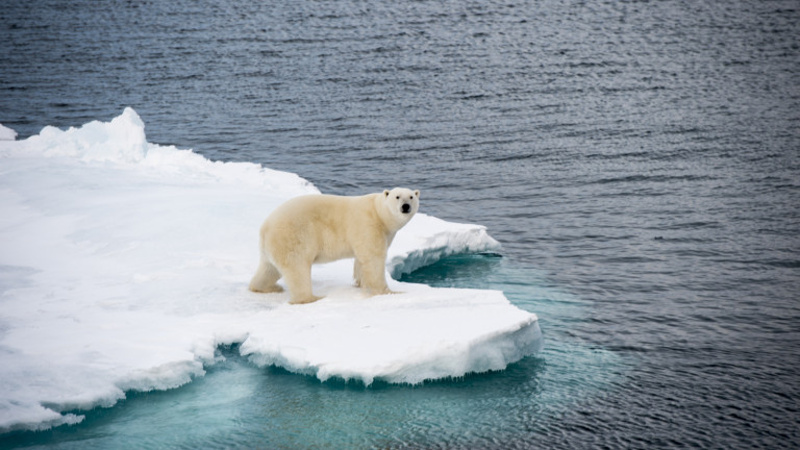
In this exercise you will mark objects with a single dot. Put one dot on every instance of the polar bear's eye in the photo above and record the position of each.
(398, 197)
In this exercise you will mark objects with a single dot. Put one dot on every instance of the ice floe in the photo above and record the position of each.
(124, 265)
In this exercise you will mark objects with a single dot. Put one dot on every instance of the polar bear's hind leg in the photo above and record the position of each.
(298, 280)
(265, 279)
(357, 273)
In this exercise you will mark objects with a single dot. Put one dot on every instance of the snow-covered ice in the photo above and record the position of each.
(7, 134)
(124, 265)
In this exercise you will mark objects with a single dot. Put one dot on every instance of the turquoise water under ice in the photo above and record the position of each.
(236, 404)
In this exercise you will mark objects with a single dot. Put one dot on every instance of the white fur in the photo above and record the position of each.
(323, 228)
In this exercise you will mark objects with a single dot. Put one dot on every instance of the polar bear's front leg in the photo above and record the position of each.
(373, 275)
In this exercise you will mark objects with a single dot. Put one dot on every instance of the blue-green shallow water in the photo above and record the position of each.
(639, 161)
(237, 404)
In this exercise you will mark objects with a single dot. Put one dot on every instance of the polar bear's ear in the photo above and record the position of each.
(416, 193)
(386, 193)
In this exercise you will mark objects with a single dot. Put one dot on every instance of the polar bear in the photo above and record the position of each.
(323, 228)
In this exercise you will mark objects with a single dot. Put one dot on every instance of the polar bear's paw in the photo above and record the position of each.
(303, 301)
(274, 289)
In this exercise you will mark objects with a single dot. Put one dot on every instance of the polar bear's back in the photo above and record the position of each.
(318, 227)
(319, 208)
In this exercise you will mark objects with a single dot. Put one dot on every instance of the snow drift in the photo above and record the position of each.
(124, 265)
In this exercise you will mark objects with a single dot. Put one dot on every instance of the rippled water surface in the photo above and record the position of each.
(639, 161)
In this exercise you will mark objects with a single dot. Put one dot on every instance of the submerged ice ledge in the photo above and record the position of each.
(423, 334)
(124, 266)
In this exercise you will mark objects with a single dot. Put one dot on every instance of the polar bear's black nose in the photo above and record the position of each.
(406, 208)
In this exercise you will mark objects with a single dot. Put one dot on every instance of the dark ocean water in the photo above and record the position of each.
(639, 161)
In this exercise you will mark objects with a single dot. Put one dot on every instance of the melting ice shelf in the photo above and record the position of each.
(124, 265)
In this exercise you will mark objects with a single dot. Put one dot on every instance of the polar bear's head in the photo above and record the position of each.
(401, 203)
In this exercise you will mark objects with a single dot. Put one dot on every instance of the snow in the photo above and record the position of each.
(7, 134)
(124, 265)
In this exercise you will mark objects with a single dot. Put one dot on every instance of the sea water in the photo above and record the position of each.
(638, 161)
